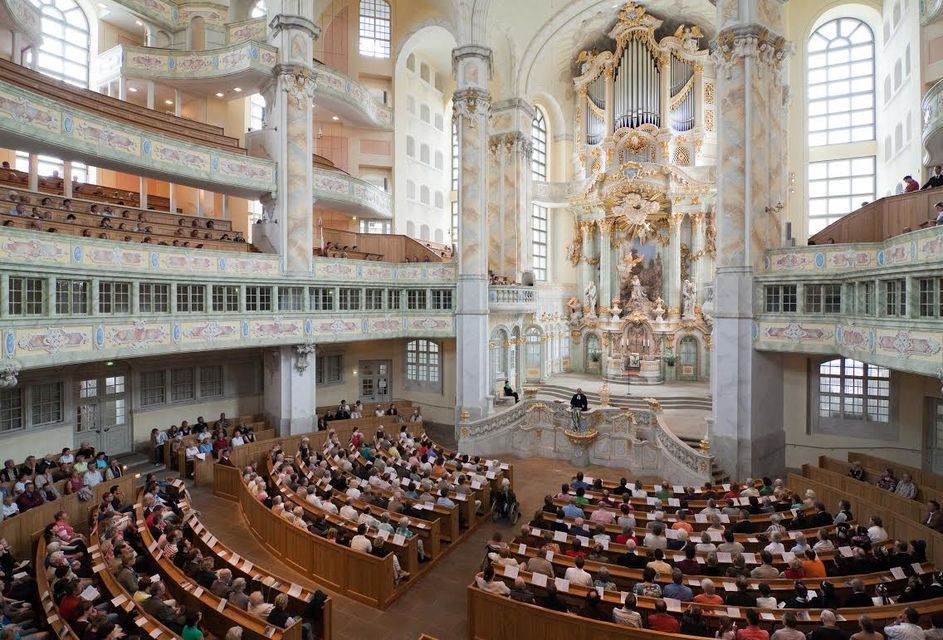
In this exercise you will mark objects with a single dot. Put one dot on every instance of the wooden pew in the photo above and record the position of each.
(923, 479)
(51, 611)
(298, 596)
(360, 576)
(218, 614)
(20, 529)
(179, 461)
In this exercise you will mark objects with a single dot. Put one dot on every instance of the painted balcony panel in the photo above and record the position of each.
(338, 190)
(37, 343)
(249, 63)
(92, 256)
(29, 120)
(908, 346)
(169, 15)
(514, 299)
(254, 29)
(352, 101)
(933, 122)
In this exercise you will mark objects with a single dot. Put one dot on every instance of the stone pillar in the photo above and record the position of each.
(67, 179)
(673, 266)
(471, 67)
(33, 172)
(586, 270)
(150, 94)
(699, 274)
(605, 264)
(509, 179)
(289, 398)
(747, 435)
(142, 191)
(289, 135)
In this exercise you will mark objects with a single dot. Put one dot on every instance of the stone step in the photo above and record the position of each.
(635, 401)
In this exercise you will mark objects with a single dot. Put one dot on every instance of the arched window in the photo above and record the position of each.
(841, 83)
(424, 232)
(898, 74)
(375, 28)
(259, 10)
(424, 195)
(439, 160)
(423, 361)
(410, 228)
(439, 236)
(424, 113)
(424, 153)
(841, 94)
(424, 71)
(533, 353)
(64, 53)
(410, 190)
(439, 200)
(410, 146)
(852, 390)
(454, 157)
(411, 62)
(411, 104)
(538, 134)
(439, 122)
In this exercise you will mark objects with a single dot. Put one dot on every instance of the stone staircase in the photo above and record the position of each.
(637, 402)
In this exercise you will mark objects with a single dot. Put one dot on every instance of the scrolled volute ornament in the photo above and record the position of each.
(303, 359)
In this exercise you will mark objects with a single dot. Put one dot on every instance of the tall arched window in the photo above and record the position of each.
(375, 28)
(256, 111)
(841, 105)
(64, 53)
(454, 154)
(538, 134)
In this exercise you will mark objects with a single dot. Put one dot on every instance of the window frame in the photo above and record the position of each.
(540, 241)
(375, 27)
(67, 299)
(423, 363)
(538, 135)
(153, 297)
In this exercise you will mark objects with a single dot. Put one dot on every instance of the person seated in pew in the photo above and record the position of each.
(661, 620)
(169, 616)
(742, 597)
(888, 481)
(752, 630)
(906, 627)
(486, 581)
(592, 607)
(677, 589)
(906, 487)
(647, 587)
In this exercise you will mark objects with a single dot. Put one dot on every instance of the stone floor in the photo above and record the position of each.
(436, 604)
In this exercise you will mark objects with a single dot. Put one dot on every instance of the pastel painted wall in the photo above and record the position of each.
(437, 406)
(906, 436)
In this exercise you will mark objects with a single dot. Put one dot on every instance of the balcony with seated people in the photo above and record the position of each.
(878, 302)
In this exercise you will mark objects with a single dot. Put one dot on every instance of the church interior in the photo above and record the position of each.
(576, 319)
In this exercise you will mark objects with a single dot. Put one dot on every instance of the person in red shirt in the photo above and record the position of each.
(813, 565)
(661, 620)
(910, 184)
(576, 551)
(69, 605)
(709, 595)
(752, 631)
(30, 498)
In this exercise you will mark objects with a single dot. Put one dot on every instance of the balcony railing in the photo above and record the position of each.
(514, 298)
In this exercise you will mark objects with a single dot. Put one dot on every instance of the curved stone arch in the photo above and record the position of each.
(431, 23)
(698, 336)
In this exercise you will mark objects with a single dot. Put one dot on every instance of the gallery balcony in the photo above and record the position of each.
(512, 298)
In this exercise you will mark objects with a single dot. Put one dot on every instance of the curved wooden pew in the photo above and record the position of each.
(51, 611)
(357, 575)
(218, 614)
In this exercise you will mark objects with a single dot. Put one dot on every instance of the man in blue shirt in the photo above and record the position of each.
(444, 500)
(571, 510)
(578, 482)
(677, 589)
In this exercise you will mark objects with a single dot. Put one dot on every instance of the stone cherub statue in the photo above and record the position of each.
(688, 300)
(616, 310)
(638, 291)
(591, 299)
(576, 311)
(658, 313)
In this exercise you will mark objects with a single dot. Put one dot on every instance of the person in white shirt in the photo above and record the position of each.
(258, 605)
(313, 498)
(354, 492)
(765, 600)
(907, 626)
(823, 544)
(578, 575)
(705, 545)
(10, 508)
(349, 512)
(655, 539)
(876, 531)
(379, 412)
(486, 582)
(192, 452)
(237, 440)
(775, 543)
(92, 477)
(801, 544)
(361, 542)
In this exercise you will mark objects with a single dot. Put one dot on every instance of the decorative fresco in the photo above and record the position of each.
(165, 64)
(334, 84)
(342, 189)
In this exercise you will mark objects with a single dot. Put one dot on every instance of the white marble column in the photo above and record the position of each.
(67, 179)
(289, 135)
(289, 399)
(747, 435)
(605, 264)
(471, 67)
(509, 179)
(673, 266)
(586, 270)
(33, 172)
(142, 191)
(699, 274)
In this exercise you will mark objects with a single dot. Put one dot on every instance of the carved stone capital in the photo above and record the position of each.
(298, 83)
(749, 41)
(473, 105)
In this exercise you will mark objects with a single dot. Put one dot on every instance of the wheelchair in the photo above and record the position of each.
(505, 506)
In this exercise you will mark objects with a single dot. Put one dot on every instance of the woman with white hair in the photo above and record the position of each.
(238, 597)
(775, 543)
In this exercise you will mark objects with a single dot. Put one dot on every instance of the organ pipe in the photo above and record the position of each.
(637, 97)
